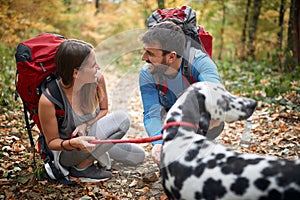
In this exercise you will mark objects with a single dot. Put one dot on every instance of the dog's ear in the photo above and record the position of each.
(204, 119)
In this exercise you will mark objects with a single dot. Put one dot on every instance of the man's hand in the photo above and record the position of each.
(214, 123)
(156, 151)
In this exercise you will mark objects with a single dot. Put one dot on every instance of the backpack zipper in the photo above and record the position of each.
(42, 66)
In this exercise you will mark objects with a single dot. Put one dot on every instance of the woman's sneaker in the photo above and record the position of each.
(91, 174)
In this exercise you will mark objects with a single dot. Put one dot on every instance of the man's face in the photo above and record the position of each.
(154, 56)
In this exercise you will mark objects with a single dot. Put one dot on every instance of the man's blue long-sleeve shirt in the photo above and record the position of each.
(203, 69)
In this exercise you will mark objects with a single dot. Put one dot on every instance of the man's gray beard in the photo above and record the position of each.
(159, 70)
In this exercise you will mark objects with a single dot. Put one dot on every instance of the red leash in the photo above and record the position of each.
(134, 140)
(148, 139)
(188, 124)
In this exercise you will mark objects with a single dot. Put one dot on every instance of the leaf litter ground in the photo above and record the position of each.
(276, 131)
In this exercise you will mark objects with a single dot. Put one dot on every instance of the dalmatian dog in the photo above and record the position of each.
(193, 167)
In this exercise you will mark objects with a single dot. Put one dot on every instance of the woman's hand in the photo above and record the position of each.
(80, 130)
(83, 143)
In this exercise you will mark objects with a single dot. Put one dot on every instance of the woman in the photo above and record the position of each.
(86, 105)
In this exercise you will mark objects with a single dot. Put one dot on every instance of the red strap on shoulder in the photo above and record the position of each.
(60, 112)
(163, 88)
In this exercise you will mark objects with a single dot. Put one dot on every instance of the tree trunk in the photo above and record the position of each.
(281, 17)
(296, 32)
(280, 51)
(293, 36)
(245, 29)
(252, 28)
(161, 4)
(222, 30)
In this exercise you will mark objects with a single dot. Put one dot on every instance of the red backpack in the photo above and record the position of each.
(36, 71)
(35, 64)
(186, 17)
(196, 37)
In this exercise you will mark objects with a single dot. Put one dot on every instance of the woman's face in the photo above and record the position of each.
(89, 71)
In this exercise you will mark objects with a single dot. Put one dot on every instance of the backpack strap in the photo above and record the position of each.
(187, 64)
(162, 90)
(162, 86)
(55, 94)
(29, 127)
(55, 97)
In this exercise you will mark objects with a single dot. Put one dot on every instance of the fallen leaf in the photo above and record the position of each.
(163, 197)
(133, 183)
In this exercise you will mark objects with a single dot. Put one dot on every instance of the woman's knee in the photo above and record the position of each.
(123, 120)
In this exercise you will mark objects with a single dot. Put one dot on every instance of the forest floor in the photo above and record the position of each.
(276, 131)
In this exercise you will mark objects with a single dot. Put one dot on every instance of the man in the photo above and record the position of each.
(164, 45)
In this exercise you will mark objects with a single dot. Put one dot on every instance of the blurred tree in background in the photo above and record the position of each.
(257, 35)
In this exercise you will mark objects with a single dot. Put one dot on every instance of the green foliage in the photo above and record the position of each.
(40, 172)
(7, 77)
(266, 79)
(129, 63)
(260, 81)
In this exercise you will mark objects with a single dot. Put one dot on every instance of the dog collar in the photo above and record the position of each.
(187, 124)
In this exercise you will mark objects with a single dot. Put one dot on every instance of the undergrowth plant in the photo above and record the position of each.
(7, 79)
(262, 82)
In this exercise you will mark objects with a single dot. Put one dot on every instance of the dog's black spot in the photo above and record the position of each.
(274, 194)
(226, 169)
(213, 189)
(172, 118)
(199, 142)
(236, 165)
(164, 180)
(254, 161)
(180, 107)
(220, 88)
(224, 103)
(291, 193)
(272, 170)
(241, 103)
(262, 183)
(220, 156)
(198, 171)
(204, 118)
(172, 132)
(204, 122)
(191, 154)
(187, 137)
(198, 195)
(289, 173)
(179, 172)
(211, 164)
(175, 193)
(240, 186)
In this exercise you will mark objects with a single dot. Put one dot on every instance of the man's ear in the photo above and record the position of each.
(172, 57)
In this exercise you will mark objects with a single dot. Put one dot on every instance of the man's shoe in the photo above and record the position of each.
(91, 174)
